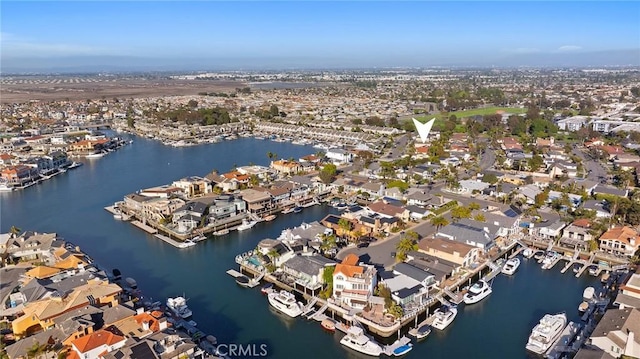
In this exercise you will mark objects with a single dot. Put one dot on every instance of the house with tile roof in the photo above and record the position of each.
(629, 292)
(620, 241)
(92, 346)
(353, 283)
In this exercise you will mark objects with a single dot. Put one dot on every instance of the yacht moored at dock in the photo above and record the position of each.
(358, 341)
(178, 306)
(285, 302)
(246, 224)
(545, 333)
(480, 290)
(511, 266)
(444, 316)
(423, 331)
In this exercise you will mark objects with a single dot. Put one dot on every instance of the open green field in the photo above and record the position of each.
(474, 112)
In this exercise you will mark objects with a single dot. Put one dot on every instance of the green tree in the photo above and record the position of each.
(474, 206)
(327, 277)
(439, 222)
(540, 199)
(490, 178)
(535, 163)
(406, 245)
(254, 180)
(592, 245)
(14, 231)
(400, 184)
(460, 212)
(328, 173)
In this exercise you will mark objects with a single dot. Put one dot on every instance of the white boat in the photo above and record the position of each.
(286, 303)
(178, 306)
(528, 253)
(246, 225)
(94, 155)
(5, 187)
(511, 266)
(588, 293)
(358, 341)
(423, 331)
(75, 165)
(545, 333)
(186, 244)
(444, 316)
(480, 290)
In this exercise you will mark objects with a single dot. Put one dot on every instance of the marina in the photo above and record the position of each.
(224, 305)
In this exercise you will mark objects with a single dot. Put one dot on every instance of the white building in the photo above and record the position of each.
(339, 156)
(353, 284)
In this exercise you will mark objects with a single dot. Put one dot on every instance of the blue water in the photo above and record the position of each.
(72, 205)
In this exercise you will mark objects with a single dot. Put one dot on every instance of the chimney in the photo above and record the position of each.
(162, 322)
(145, 325)
(139, 310)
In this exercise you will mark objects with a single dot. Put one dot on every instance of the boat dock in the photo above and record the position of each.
(171, 241)
(414, 331)
(561, 345)
(389, 349)
(552, 264)
(586, 265)
(253, 282)
(144, 227)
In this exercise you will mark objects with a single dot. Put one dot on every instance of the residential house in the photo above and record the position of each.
(194, 186)
(620, 241)
(616, 333)
(384, 209)
(161, 191)
(559, 168)
(471, 186)
(601, 208)
(373, 190)
(307, 270)
(353, 283)
(409, 285)
(134, 202)
(19, 174)
(461, 254)
(577, 232)
(40, 314)
(94, 345)
(280, 195)
(339, 156)
(286, 167)
(481, 235)
(551, 231)
(226, 206)
(258, 200)
(610, 190)
(357, 228)
(629, 293)
(28, 245)
(417, 213)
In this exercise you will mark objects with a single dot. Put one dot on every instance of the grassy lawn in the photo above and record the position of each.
(473, 112)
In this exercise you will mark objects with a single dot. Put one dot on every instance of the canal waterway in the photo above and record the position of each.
(72, 205)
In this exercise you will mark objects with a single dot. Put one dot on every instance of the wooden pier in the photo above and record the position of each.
(144, 227)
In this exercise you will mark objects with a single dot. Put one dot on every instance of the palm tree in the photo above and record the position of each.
(405, 246)
(14, 231)
(439, 221)
(270, 155)
(345, 226)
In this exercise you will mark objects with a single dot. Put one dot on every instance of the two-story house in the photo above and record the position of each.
(353, 283)
(620, 241)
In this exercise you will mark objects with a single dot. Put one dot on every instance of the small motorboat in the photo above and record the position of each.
(402, 350)
(328, 324)
(243, 281)
(539, 255)
(423, 331)
(583, 307)
(297, 209)
(511, 266)
(576, 267)
(593, 269)
(270, 217)
(267, 288)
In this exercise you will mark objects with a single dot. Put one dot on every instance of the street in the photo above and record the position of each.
(595, 171)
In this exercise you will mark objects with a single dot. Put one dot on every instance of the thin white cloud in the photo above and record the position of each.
(567, 48)
(13, 45)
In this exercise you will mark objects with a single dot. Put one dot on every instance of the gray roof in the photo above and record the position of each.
(600, 188)
(438, 267)
(618, 319)
(113, 314)
(193, 206)
(21, 347)
(468, 231)
(416, 209)
(408, 292)
(312, 230)
(555, 226)
(68, 284)
(301, 180)
(310, 265)
(416, 273)
(501, 220)
(595, 205)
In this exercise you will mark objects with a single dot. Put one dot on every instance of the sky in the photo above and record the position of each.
(313, 34)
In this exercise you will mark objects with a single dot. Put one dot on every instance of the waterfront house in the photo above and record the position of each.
(28, 245)
(194, 186)
(279, 195)
(409, 285)
(40, 314)
(578, 232)
(275, 251)
(623, 241)
(629, 293)
(158, 209)
(462, 254)
(353, 283)
(226, 206)
(161, 191)
(19, 174)
(258, 200)
(478, 234)
(551, 231)
(134, 202)
(307, 271)
(616, 333)
(440, 268)
(96, 344)
(21, 349)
